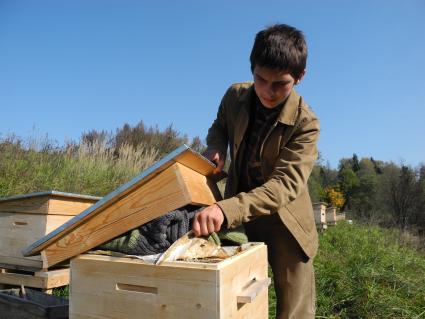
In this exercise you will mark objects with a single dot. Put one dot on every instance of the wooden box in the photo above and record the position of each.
(319, 213)
(331, 218)
(182, 177)
(27, 218)
(123, 288)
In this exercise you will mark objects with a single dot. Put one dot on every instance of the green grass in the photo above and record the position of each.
(77, 168)
(363, 272)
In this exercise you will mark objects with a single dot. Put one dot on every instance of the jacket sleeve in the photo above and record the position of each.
(287, 181)
(217, 137)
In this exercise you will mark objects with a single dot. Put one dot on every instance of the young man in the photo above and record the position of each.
(272, 136)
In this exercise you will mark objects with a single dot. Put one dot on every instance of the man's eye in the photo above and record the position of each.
(279, 84)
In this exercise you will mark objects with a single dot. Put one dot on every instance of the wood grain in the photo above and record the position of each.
(34, 205)
(167, 191)
(18, 230)
(43, 279)
(67, 206)
(172, 290)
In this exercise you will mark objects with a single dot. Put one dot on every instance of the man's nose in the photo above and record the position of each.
(269, 92)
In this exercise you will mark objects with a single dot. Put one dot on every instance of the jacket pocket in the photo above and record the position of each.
(302, 211)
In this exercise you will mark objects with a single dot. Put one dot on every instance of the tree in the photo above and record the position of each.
(363, 200)
(355, 163)
(334, 197)
(402, 192)
(347, 182)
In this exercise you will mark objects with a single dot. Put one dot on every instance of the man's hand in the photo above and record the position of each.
(208, 220)
(215, 157)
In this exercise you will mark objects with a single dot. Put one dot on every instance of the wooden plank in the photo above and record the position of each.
(34, 205)
(54, 278)
(67, 206)
(52, 202)
(157, 197)
(21, 264)
(254, 289)
(200, 164)
(43, 280)
(196, 184)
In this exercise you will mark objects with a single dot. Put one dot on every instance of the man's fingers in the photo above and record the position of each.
(217, 225)
(203, 226)
(207, 221)
(196, 227)
(211, 225)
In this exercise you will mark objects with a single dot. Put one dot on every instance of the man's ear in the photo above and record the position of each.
(300, 77)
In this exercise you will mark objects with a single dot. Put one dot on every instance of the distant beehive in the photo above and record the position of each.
(320, 214)
(331, 218)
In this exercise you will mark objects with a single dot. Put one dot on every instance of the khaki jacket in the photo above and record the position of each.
(288, 154)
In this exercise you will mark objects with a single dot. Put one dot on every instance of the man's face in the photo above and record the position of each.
(273, 86)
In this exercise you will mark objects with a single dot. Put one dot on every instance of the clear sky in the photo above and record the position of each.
(71, 66)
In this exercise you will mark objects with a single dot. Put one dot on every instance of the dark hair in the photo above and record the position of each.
(280, 47)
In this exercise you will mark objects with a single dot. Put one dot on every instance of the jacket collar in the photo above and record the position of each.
(288, 114)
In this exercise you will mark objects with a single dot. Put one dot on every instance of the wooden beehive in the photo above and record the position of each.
(27, 218)
(331, 218)
(123, 288)
(182, 177)
(319, 213)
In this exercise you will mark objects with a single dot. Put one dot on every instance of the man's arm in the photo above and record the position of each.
(287, 181)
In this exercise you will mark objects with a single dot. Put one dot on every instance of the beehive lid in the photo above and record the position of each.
(47, 203)
(183, 155)
(51, 193)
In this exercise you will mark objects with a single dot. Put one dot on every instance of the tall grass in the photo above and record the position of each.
(85, 167)
(363, 272)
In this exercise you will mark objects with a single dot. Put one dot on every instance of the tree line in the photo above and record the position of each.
(370, 190)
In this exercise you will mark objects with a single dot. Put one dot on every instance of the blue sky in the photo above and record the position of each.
(71, 66)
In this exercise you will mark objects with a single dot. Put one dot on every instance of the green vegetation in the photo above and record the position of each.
(83, 168)
(364, 272)
(367, 272)
(373, 191)
(95, 165)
